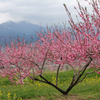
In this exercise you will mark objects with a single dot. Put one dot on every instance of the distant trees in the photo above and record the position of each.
(74, 46)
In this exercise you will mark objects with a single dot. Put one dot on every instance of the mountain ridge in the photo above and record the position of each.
(15, 29)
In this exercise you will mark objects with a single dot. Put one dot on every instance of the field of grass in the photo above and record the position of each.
(89, 89)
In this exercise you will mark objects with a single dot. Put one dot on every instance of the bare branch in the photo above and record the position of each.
(85, 76)
(85, 67)
(46, 81)
(32, 62)
(44, 61)
(72, 68)
(57, 75)
(37, 79)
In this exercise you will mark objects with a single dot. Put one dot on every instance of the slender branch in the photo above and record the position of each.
(44, 61)
(16, 66)
(33, 72)
(37, 79)
(75, 81)
(57, 75)
(83, 71)
(82, 68)
(58, 72)
(85, 76)
(32, 62)
(72, 68)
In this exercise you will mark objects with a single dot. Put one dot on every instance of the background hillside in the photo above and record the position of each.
(13, 29)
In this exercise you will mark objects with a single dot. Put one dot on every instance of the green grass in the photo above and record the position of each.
(89, 89)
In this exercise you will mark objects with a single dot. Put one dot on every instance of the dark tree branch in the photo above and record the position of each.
(57, 75)
(46, 81)
(37, 79)
(44, 61)
(74, 77)
(72, 68)
(31, 62)
(58, 72)
(85, 67)
(75, 80)
(85, 76)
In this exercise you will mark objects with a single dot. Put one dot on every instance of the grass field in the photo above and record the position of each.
(89, 89)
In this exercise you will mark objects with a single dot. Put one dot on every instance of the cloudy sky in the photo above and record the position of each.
(46, 12)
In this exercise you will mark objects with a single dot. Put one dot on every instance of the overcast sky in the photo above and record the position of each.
(47, 12)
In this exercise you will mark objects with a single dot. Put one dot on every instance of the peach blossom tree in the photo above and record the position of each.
(77, 46)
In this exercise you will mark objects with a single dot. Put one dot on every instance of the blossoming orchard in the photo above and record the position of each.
(77, 46)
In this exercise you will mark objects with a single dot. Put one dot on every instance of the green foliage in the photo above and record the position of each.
(86, 90)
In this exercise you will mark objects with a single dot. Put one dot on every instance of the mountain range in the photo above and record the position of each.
(20, 29)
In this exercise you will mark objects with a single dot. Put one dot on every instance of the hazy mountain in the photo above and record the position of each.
(18, 29)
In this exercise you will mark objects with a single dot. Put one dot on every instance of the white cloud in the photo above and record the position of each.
(35, 11)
